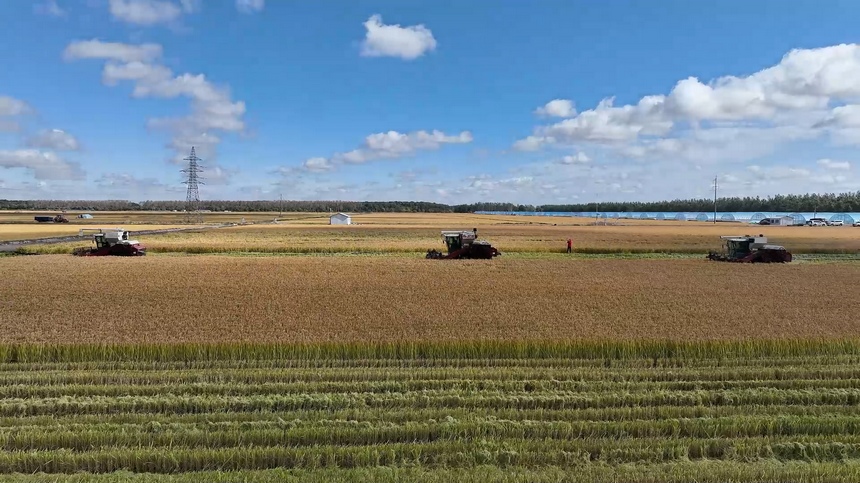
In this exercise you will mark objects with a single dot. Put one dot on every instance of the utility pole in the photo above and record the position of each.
(280, 205)
(715, 199)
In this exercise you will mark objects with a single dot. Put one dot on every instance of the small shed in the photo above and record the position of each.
(778, 221)
(340, 219)
(86, 216)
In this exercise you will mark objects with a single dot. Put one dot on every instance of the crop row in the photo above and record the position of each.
(764, 363)
(447, 454)
(425, 387)
(676, 472)
(491, 375)
(426, 415)
(292, 402)
(341, 433)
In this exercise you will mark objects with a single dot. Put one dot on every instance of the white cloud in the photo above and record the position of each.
(578, 158)
(532, 143)
(317, 165)
(43, 164)
(213, 109)
(10, 110)
(393, 144)
(96, 49)
(557, 108)
(384, 145)
(778, 172)
(801, 86)
(10, 107)
(54, 139)
(834, 165)
(50, 8)
(407, 43)
(250, 6)
(145, 12)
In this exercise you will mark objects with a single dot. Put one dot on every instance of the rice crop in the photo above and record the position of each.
(491, 411)
(50, 299)
(416, 233)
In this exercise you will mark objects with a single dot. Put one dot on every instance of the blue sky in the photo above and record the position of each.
(536, 102)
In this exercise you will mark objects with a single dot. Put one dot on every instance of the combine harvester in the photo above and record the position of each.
(464, 244)
(750, 249)
(113, 242)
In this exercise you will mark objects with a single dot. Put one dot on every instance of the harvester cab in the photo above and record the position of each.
(464, 244)
(113, 242)
(750, 249)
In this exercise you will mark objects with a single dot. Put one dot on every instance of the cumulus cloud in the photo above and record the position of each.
(834, 165)
(317, 165)
(96, 49)
(250, 6)
(407, 43)
(386, 145)
(557, 108)
(212, 108)
(10, 107)
(802, 86)
(44, 165)
(146, 12)
(54, 139)
(10, 110)
(578, 158)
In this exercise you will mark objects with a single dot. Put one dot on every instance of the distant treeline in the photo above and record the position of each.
(844, 202)
(829, 202)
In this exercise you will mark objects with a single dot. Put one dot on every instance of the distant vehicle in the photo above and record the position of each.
(51, 219)
(816, 222)
(836, 223)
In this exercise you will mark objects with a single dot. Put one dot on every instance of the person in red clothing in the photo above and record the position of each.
(569, 245)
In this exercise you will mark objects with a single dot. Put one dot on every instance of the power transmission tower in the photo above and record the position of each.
(192, 179)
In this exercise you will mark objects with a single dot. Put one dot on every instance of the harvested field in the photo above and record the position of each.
(473, 413)
(52, 299)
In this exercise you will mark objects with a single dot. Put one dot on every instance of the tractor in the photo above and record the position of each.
(464, 244)
(114, 242)
(52, 219)
(750, 249)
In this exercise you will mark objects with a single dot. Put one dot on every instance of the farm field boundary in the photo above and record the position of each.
(480, 411)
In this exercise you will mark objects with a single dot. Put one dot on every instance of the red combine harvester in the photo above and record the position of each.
(464, 244)
(113, 242)
(750, 249)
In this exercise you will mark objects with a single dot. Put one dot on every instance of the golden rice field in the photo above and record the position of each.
(57, 298)
(232, 355)
(416, 233)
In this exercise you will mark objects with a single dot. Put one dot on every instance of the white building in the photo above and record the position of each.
(340, 219)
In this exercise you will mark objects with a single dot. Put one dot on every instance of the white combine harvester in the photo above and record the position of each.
(110, 242)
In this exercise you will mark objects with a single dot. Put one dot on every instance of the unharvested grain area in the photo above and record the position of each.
(216, 298)
(416, 233)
